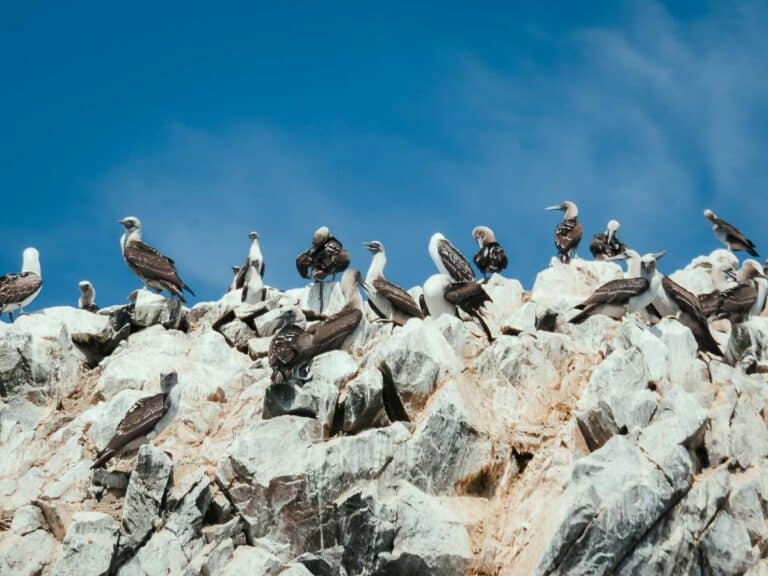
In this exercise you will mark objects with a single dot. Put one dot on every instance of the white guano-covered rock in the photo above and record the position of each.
(89, 546)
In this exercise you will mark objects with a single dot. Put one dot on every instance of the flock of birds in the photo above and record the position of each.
(453, 290)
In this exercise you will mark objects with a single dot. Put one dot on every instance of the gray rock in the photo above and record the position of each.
(27, 549)
(162, 555)
(614, 496)
(726, 547)
(364, 402)
(316, 398)
(275, 320)
(111, 479)
(145, 494)
(325, 562)
(296, 570)
(152, 309)
(89, 546)
(252, 560)
(238, 334)
(367, 530)
(448, 448)
(748, 433)
(429, 539)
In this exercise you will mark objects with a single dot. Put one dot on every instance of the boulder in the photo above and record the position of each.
(27, 549)
(364, 402)
(152, 309)
(272, 322)
(89, 546)
(563, 286)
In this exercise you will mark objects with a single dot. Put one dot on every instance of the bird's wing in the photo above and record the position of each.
(710, 302)
(598, 245)
(282, 348)
(568, 235)
(240, 276)
(399, 298)
(139, 420)
(616, 292)
(739, 299)
(18, 287)
(686, 300)
(304, 263)
(151, 264)
(455, 263)
(497, 257)
(734, 235)
(469, 296)
(329, 334)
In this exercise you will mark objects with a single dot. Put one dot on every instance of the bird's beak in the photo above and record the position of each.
(366, 286)
(659, 255)
(369, 245)
(730, 273)
(121, 222)
(558, 207)
(618, 258)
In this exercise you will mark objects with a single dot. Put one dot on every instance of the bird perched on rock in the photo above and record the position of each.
(18, 290)
(444, 296)
(568, 233)
(729, 235)
(740, 302)
(142, 422)
(626, 295)
(326, 257)
(155, 270)
(491, 257)
(292, 348)
(87, 300)
(254, 260)
(606, 245)
(448, 259)
(388, 300)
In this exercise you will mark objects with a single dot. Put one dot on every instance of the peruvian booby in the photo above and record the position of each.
(155, 270)
(729, 235)
(449, 260)
(606, 245)
(491, 257)
(442, 295)
(388, 300)
(292, 348)
(18, 290)
(626, 295)
(748, 297)
(326, 257)
(568, 233)
(87, 300)
(255, 259)
(254, 290)
(142, 421)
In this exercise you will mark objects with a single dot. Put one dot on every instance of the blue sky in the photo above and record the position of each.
(385, 123)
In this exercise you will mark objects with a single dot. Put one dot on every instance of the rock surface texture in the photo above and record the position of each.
(611, 447)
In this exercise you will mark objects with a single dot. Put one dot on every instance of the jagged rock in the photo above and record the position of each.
(453, 329)
(258, 347)
(163, 554)
(563, 286)
(748, 436)
(28, 548)
(417, 356)
(367, 530)
(144, 497)
(296, 570)
(238, 334)
(614, 496)
(325, 562)
(37, 359)
(252, 560)
(151, 309)
(448, 447)
(364, 402)
(429, 539)
(726, 547)
(319, 297)
(95, 335)
(111, 480)
(89, 546)
(211, 559)
(275, 320)
(317, 397)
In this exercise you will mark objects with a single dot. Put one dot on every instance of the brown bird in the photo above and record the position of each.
(292, 348)
(605, 245)
(18, 290)
(326, 257)
(444, 296)
(491, 257)
(155, 270)
(729, 235)
(687, 308)
(748, 297)
(568, 232)
(388, 300)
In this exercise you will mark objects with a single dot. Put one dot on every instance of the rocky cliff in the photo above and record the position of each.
(604, 448)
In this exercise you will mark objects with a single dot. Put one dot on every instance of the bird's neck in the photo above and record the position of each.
(130, 236)
(376, 269)
(571, 213)
(255, 252)
(31, 264)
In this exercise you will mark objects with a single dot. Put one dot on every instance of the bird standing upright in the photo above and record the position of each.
(568, 233)
(18, 290)
(491, 258)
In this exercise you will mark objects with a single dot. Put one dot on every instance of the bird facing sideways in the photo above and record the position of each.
(729, 235)
(18, 290)
(568, 233)
(491, 258)
(388, 300)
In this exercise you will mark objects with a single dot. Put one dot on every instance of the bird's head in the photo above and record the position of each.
(30, 260)
(168, 380)
(85, 286)
(320, 236)
(570, 209)
(751, 269)
(374, 246)
(253, 235)
(709, 215)
(483, 235)
(648, 263)
(130, 223)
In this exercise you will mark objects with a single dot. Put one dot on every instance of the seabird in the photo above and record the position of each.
(254, 257)
(140, 423)
(155, 270)
(87, 300)
(606, 245)
(748, 297)
(253, 291)
(19, 290)
(327, 257)
(568, 232)
(686, 308)
(491, 257)
(449, 260)
(292, 348)
(388, 300)
(729, 235)
(626, 295)
(444, 296)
